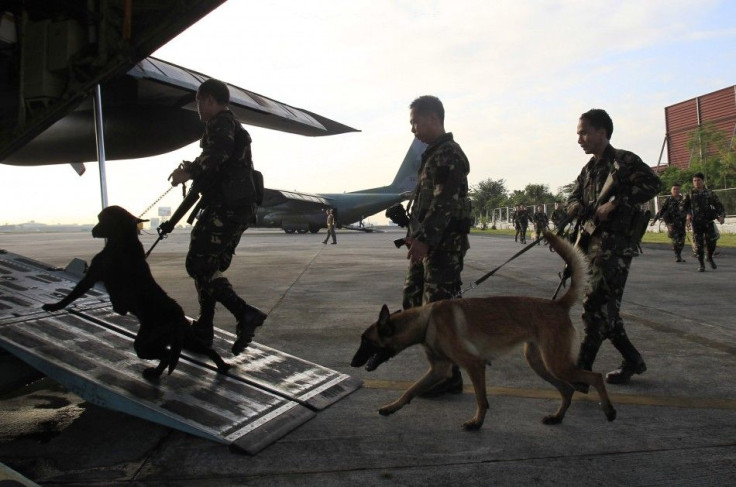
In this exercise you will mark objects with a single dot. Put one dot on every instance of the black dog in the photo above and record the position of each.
(122, 267)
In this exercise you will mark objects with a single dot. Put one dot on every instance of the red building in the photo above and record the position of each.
(718, 108)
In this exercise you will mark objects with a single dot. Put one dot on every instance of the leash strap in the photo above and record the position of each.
(475, 284)
(489, 274)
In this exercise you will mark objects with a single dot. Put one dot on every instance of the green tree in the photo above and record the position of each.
(713, 153)
(487, 195)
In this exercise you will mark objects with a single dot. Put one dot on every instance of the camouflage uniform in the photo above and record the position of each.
(558, 217)
(225, 149)
(674, 217)
(541, 221)
(521, 221)
(610, 248)
(705, 207)
(440, 216)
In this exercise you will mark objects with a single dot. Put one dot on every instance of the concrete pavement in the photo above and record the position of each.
(676, 423)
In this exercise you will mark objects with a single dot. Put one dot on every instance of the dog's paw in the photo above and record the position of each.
(552, 419)
(610, 414)
(472, 425)
(151, 373)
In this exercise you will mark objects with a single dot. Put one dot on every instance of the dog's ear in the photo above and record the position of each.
(385, 327)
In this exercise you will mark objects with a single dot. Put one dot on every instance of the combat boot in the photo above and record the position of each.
(452, 385)
(623, 374)
(678, 256)
(701, 264)
(248, 317)
(245, 329)
(633, 362)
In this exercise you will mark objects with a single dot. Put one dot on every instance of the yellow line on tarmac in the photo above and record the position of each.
(631, 399)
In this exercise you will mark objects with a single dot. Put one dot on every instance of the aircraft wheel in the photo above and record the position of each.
(289, 230)
(313, 229)
(302, 230)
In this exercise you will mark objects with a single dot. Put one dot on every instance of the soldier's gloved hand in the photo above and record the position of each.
(165, 228)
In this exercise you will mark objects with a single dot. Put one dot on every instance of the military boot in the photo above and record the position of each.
(711, 262)
(248, 317)
(701, 264)
(633, 362)
(678, 256)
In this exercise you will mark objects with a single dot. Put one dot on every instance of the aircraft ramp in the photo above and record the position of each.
(89, 349)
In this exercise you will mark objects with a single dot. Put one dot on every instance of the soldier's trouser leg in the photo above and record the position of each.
(678, 242)
(601, 303)
(711, 238)
(699, 240)
(213, 242)
(413, 286)
(203, 326)
(437, 278)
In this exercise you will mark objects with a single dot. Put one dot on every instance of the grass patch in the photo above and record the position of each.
(726, 240)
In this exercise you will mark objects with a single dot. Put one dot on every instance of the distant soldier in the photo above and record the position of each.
(702, 206)
(330, 227)
(559, 215)
(521, 222)
(541, 221)
(672, 214)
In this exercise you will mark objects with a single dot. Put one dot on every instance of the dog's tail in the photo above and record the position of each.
(177, 342)
(576, 262)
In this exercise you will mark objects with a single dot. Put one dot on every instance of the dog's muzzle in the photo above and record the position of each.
(370, 355)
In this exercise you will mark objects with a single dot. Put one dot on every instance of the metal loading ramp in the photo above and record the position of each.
(89, 349)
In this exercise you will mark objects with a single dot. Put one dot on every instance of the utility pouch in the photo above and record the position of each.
(237, 186)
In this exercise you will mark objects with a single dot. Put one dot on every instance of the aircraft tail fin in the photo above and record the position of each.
(406, 178)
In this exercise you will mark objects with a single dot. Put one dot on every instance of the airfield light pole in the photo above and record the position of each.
(100, 135)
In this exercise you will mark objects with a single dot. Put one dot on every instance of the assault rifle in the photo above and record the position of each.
(167, 227)
(587, 221)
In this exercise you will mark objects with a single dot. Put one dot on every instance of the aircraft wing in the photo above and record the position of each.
(165, 83)
(273, 197)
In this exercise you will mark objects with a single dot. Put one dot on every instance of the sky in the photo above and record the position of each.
(514, 78)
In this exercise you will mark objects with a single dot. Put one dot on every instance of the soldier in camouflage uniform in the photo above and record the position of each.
(606, 198)
(702, 206)
(673, 216)
(541, 221)
(440, 218)
(521, 222)
(223, 176)
(559, 215)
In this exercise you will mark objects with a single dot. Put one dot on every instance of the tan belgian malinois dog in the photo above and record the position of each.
(473, 332)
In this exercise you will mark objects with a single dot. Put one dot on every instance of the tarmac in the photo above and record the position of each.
(676, 423)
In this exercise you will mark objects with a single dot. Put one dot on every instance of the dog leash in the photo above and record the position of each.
(489, 274)
(476, 283)
(162, 235)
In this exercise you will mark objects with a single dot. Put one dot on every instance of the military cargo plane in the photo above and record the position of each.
(302, 212)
